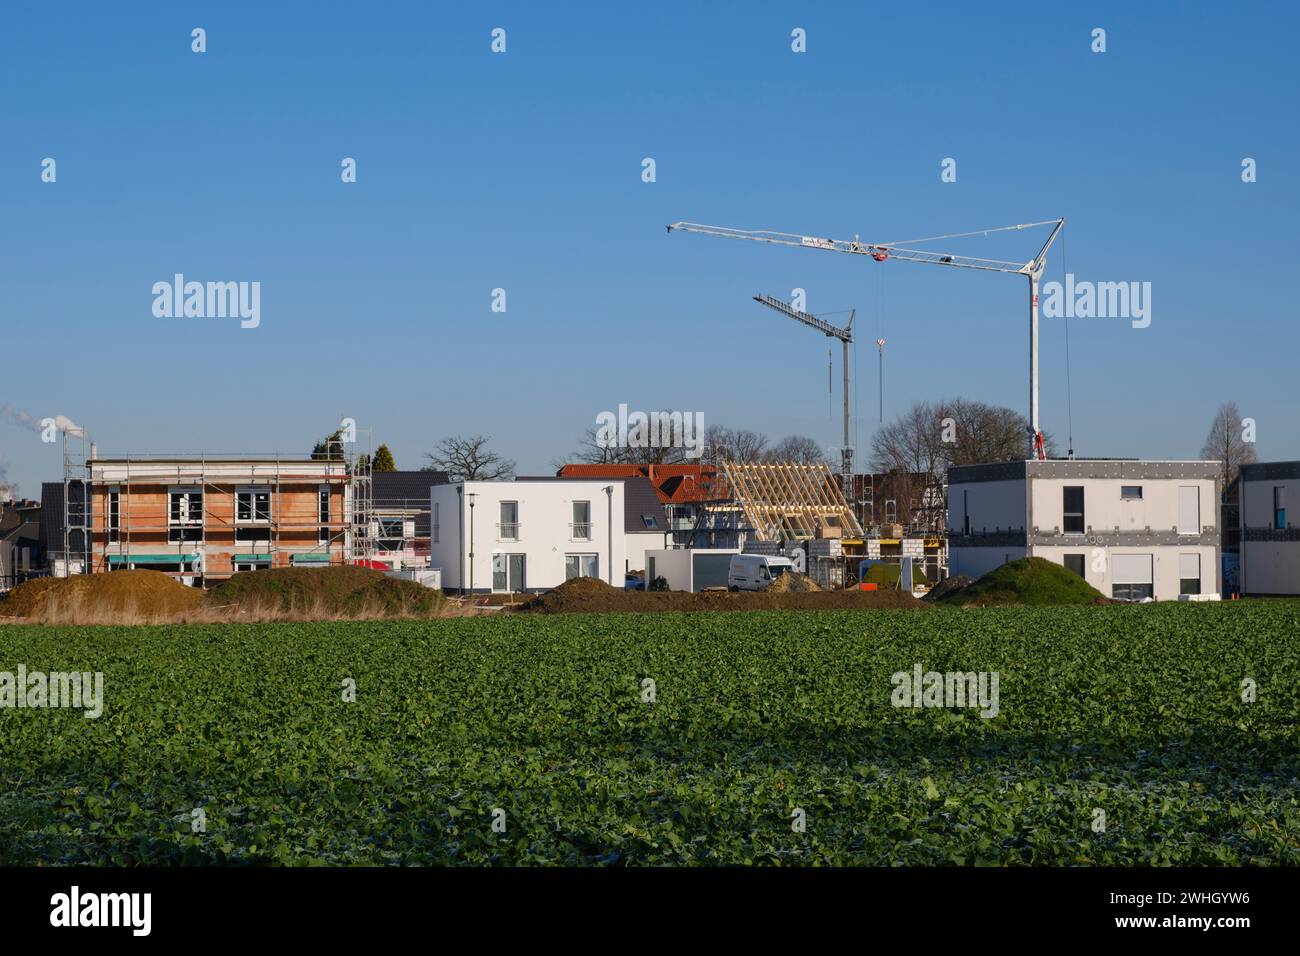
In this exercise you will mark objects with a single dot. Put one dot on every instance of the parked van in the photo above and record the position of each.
(754, 572)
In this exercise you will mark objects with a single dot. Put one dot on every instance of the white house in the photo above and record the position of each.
(1132, 529)
(1270, 534)
(529, 534)
(645, 522)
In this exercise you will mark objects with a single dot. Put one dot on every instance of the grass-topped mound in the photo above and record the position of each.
(324, 593)
(1029, 581)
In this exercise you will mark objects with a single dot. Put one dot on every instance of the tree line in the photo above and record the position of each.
(925, 440)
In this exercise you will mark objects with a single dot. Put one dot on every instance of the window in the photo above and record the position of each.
(651, 522)
(435, 522)
(1072, 509)
(1189, 574)
(114, 515)
(185, 515)
(390, 534)
(1131, 575)
(253, 533)
(1130, 592)
(1189, 510)
(581, 566)
(965, 510)
(323, 513)
(1074, 562)
(1130, 493)
(581, 520)
(251, 565)
(252, 506)
(509, 526)
(1279, 508)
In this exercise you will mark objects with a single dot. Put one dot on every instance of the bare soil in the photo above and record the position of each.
(588, 596)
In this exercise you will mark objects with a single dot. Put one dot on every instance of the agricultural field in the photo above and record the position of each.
(1136, 711)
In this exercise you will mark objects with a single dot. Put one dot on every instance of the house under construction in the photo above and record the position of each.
(202, 518)
(776, 506)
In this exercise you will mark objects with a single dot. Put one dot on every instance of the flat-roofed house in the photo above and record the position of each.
(1270, 530)
(1132, 529)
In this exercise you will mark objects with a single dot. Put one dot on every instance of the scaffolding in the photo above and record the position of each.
(78, 451)
(234, 498)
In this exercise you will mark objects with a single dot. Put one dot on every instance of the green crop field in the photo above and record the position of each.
(1135, 711)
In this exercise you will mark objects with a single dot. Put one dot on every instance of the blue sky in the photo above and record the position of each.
(523, 171)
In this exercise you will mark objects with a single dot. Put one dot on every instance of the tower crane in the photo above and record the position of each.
(845, 335)
(903, 249)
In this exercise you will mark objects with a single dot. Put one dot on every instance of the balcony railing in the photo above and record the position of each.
(508, 530)
(580, 530)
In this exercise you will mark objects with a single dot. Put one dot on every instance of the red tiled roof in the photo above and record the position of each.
(674, 484)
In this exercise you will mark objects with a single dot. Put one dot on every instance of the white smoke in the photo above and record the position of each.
(22, 419)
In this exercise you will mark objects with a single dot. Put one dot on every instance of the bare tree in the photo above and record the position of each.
(985, 433)
(1226, 444)
(931, 437)
(726, 444)
(592, 450)
(912, 443)
(469, 459)
(799, 449)
(916, 450)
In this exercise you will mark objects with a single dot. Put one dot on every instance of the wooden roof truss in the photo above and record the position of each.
(782, 501)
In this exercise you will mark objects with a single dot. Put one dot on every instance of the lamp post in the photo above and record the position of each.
(471, 496)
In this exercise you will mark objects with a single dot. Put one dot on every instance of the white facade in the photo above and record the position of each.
(1270, 528)
(523, 534)
(639, 543)
(1133, 529)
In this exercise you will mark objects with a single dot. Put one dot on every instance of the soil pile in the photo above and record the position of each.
(120, 595)
(948, 586)
(323, 592)
(1029, 581)
(791, 583)
(587, 595)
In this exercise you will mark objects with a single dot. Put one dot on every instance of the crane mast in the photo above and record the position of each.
(845, 336)
(905, 250)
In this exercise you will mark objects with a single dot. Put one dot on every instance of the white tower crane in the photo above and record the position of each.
(881, 251)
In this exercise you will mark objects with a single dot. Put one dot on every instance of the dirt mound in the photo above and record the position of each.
(1029, 581)
(117, 596)
(948, 586)
(791, 583)
(577, 594)
(568, 599)
(323, 592)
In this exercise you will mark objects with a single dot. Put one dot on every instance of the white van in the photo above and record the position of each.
(754, 572)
